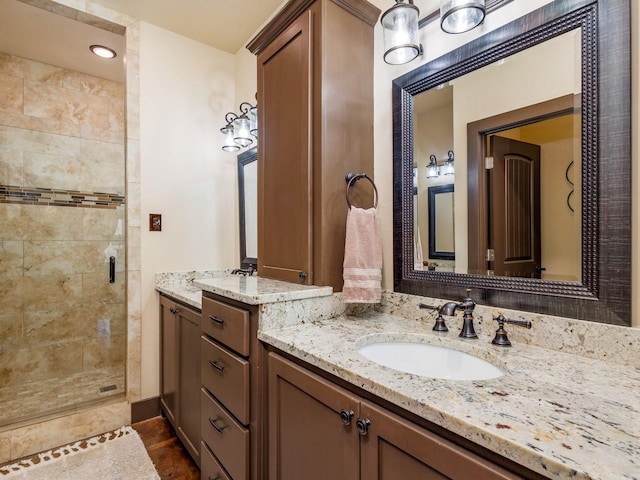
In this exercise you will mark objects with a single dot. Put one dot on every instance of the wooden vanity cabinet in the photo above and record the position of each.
(315, 97)
(312, 435)
(231, 395)
(307, 438)
(180, 371)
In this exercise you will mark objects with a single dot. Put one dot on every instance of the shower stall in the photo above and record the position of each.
(63, 312)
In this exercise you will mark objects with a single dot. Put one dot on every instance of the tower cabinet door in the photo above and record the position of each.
(308, 432)
(284, 156)
(395, 448)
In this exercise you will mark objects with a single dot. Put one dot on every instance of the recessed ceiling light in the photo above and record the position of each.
(102, 51)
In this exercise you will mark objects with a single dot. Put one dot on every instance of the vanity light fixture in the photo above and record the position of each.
(102, 51)
(432, 168)
(240, 128)
(447, 168)
(400, 33)
(459, 16)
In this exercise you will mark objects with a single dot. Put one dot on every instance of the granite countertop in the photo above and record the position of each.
(186, 293)
(562, 415)
(188, 286)
(258, 290)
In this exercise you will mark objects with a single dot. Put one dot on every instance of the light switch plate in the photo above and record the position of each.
(155, 222)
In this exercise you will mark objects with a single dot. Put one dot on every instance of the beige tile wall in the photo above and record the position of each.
(61, 318)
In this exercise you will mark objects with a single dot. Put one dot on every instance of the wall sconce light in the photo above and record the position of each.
(432, 168)
(400, 33)
(459, 16)
(239, 128)
(447, 168)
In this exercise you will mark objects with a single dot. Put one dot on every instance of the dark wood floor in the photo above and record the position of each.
(167, 453)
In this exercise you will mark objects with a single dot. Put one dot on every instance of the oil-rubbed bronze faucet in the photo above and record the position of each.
(247, 272)
(467, 306)
(501, 334)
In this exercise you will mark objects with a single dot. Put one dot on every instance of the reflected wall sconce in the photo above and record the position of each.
(459, 16)
(240, 128)
(400, 33)
(447, 168)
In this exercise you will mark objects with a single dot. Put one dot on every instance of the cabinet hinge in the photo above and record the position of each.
(488, 163)
(490, 255)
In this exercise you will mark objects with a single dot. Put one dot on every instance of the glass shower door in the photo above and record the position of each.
(62, 239)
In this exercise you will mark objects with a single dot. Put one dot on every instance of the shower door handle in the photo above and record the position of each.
(112, 269)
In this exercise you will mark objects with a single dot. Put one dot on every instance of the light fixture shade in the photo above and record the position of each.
(458, 16)
(241, 127)
(229, 144)
(447, 167)
(432, 167)
(400, 33)
(253, 121)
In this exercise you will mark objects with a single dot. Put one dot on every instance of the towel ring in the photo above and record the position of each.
(352, 178)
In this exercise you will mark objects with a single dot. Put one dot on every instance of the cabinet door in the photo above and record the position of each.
(284, 167)
(307, 437)
(394, 448)
(168, 359)
(189, 381)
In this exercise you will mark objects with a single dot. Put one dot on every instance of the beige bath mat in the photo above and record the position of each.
(118, 455)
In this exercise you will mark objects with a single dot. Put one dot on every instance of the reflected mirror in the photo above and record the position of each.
(441, 228)
(248, 207)
(541, 135)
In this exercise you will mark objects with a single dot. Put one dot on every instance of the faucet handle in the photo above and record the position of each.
(440, 325)
(427, 307)
(501, 338)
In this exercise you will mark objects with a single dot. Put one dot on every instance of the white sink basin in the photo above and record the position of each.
(430, 361)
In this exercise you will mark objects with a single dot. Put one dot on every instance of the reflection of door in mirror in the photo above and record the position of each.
(514, 208)
(248, 207)
(555, 231)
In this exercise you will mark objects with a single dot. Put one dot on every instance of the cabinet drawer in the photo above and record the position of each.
(227, 439)
(210, 467)
(227, 324)
(226, 376)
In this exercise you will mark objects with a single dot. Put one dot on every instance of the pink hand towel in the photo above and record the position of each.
(362, 271)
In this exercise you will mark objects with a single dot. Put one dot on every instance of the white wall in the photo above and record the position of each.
(186, 89)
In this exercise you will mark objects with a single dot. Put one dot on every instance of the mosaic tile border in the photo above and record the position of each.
(59, 197)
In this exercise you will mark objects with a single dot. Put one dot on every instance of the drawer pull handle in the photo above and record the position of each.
(213, 421)
(216, 365)
(363, 425)
(346, 416)
(215, 319)
(173, 310)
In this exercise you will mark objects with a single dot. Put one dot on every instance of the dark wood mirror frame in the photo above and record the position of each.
(604, 295)
(244, 159)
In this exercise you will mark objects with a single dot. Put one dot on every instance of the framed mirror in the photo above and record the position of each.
(552, 74)
(248, 207)
(441, 226)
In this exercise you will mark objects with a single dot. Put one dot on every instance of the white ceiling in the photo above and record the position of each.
(224, 24)
(228, 25)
